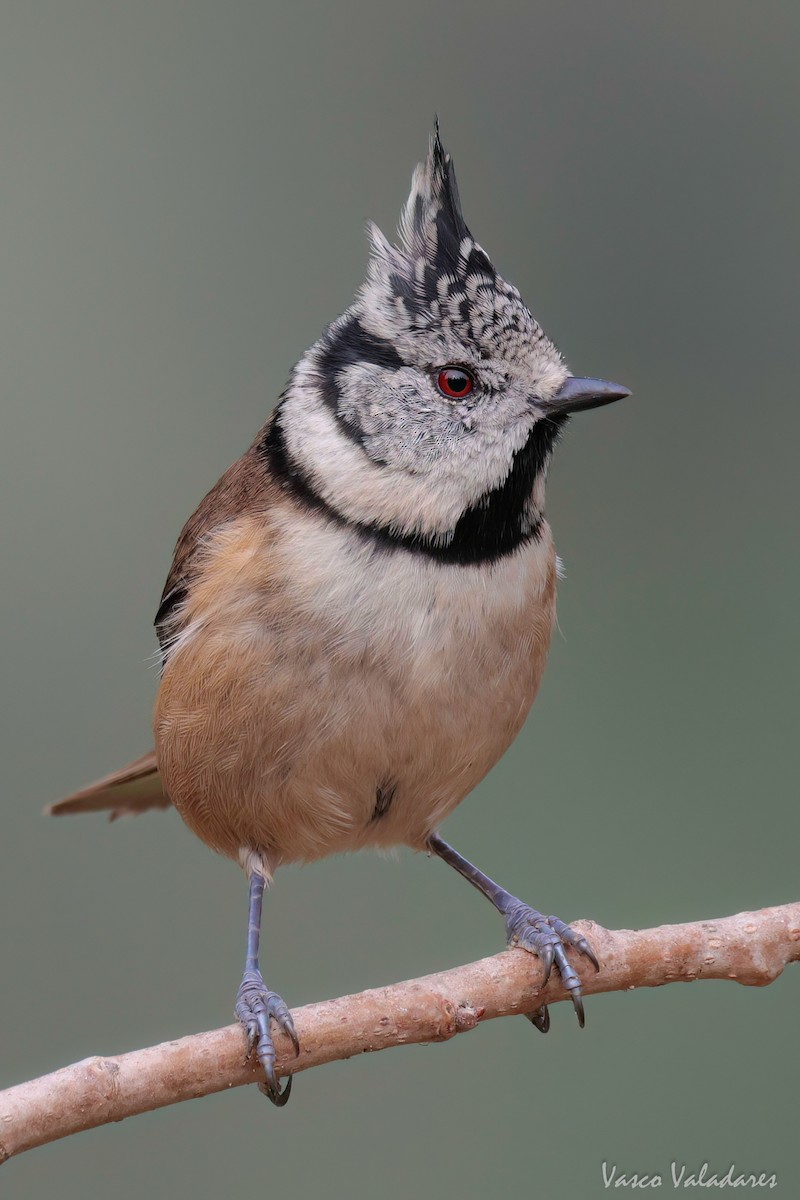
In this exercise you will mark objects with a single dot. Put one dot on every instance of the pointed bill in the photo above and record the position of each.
(578, 394)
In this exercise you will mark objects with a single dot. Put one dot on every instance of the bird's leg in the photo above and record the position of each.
(545, 936)
(255, 1003)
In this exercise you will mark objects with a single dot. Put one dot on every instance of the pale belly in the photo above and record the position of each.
(356, 704)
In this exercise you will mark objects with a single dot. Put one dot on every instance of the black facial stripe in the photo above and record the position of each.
(498, 524)
(343, 347)
(492, 529)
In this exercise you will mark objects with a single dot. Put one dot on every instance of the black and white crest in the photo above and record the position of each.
(439, 279)
(432, 225)
(366, 428)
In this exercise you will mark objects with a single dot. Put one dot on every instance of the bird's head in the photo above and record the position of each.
(428, 411)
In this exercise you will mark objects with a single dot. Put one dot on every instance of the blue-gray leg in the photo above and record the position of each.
(256, 1004)
(546, 937)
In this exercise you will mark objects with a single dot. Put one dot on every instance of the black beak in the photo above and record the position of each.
(578, 394)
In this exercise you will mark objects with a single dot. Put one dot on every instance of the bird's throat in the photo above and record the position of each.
(495, 526)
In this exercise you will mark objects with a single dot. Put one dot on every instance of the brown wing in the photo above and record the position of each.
(130, 791)
(244, 487)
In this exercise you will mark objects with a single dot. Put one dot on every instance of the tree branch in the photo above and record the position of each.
(751, 948)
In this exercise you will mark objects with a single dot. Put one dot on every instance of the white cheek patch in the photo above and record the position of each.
(395, 410)
(360, 490)
(389, 493)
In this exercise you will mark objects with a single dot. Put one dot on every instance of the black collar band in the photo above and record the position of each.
(492, 529)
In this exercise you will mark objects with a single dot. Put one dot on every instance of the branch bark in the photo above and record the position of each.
(751, 948)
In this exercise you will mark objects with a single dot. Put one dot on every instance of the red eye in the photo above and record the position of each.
(454, 382)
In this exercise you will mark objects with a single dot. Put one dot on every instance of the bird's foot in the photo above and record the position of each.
(548, 937)
(255, 1005)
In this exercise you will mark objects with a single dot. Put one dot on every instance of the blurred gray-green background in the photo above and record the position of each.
(183, 189)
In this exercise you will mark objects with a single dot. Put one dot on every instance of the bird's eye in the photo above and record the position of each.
(454, 382)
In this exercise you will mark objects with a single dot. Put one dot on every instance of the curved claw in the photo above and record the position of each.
(570, 981)
(587, 951)
(572, 938)
(548, 938)
(540, 1018)
(287, 1025)
(255, 1006)
(279, 1012)
(548, 957)
(273, 1091)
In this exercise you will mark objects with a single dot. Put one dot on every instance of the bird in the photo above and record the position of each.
(358, 614)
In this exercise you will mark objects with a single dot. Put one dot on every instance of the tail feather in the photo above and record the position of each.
(132, 790)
